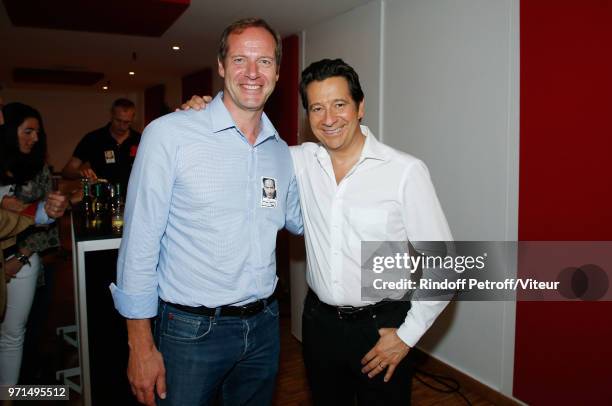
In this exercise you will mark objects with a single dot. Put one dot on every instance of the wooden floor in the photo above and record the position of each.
(292, 388)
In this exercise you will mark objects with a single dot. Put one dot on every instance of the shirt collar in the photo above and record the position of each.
(221, 119)
(372, 148)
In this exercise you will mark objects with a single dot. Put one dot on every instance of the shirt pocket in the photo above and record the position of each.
(368, 224)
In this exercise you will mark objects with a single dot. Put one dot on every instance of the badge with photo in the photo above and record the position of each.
(268, 192)
(109, 156)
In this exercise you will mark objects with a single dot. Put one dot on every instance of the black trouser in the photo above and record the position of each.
(334, 345)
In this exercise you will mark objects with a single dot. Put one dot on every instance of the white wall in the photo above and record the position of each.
(450, 98)
(354, 37)
(444, 77)
(70, 114)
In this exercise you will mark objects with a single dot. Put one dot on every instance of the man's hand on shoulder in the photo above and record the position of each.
(196, 103)
(388, 352)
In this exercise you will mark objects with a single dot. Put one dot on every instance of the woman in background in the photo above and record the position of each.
(24, 178)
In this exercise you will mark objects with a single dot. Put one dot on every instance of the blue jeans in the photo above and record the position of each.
(233, 360)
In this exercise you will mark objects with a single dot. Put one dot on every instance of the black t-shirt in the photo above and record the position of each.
(108, 159)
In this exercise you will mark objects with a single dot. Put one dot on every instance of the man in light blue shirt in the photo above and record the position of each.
(198, 248)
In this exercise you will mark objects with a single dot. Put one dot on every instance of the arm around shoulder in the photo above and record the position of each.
(293, 218)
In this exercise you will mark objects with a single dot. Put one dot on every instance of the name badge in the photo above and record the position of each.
(268, 192)
(109, 156)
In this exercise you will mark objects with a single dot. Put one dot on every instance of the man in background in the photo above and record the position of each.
(107, 152)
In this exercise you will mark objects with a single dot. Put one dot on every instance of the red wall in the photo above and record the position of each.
(282, 106)
(564, 350)
(282, 109)
(197, 83)
(155, 106)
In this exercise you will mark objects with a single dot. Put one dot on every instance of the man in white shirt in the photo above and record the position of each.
(353, 188)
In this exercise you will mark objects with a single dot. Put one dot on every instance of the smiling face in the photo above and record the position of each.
(27, 134)
(334, 115)
(249, 70)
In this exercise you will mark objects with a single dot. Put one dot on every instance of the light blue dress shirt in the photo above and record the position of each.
(198, 230)
(41, 216)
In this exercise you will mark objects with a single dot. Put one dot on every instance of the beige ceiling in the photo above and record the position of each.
(196, 31)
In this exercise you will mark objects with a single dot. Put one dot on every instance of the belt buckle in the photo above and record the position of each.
(345, 311)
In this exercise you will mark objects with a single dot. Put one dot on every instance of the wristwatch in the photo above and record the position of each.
(24, 259)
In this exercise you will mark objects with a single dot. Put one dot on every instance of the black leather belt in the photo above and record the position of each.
(352, 312)
(249, 309)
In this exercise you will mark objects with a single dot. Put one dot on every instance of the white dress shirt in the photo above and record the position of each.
(386, 196)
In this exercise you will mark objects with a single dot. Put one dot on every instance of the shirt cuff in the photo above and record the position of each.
(418, 320)
(410, 333)
(134, 306)
(41, 217)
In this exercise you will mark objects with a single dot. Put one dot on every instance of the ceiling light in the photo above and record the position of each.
(104, 87)
(132, 73)
(176, 48)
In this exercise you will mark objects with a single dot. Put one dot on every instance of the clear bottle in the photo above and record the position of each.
(108, 192)
(99, 206)
(87, 203)
(116, 209)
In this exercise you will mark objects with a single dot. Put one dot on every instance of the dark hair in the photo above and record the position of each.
(237, 27)
(22, 167)
(328, 68)
(123, 103)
